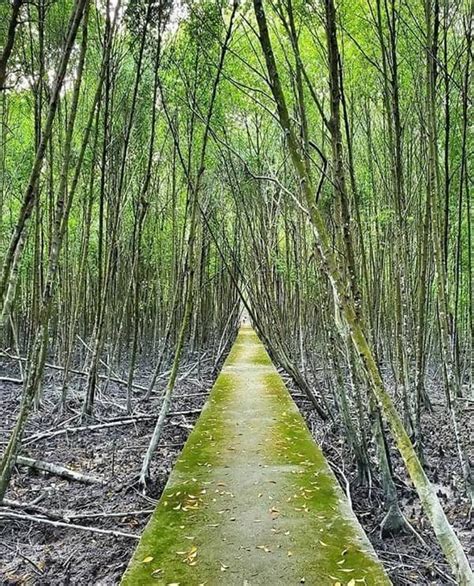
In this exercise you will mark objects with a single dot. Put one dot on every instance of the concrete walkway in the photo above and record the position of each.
(252, 499)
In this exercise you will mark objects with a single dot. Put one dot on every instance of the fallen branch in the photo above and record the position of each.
(115, 423)
(106, 377)
(107, 515)
(114, 379)
(145, 416)
(182, 424)
(70, 515)
(58, 470)
(188, 412)
(66, 430)
(193, 368)
(7, 379)
(25, 517)
(32, 508)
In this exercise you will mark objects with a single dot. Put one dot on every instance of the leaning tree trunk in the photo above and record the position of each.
(429, 499)
(7, 49)
(37, 357)
(13, 256)
(188, 281)
(451, 386)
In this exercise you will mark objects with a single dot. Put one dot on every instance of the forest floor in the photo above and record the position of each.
(41, 554)
(32, 553)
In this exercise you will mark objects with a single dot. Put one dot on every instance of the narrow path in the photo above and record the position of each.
(252, 499)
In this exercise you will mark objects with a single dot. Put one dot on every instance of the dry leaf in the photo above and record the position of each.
(147, 560)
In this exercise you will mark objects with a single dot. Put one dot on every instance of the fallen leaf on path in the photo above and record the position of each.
(190, 558)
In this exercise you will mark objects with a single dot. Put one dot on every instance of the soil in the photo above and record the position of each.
(41, 554)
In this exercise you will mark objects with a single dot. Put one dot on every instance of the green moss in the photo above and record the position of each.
(317, 497)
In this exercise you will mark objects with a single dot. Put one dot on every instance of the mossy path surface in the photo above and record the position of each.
(252, 499)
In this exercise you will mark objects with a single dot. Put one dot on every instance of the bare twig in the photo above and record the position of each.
(58, 470)
(107, 514)
(16, 551)
(115, 423)
(33, 519)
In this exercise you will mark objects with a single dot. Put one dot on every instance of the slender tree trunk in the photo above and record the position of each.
(15, 249)
(188, 262)
(444, 532)
(10, 41)
(37, 356)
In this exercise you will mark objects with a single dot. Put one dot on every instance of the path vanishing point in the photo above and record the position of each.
(251, 499)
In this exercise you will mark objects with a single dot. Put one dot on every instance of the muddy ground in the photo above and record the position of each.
(40, 554)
